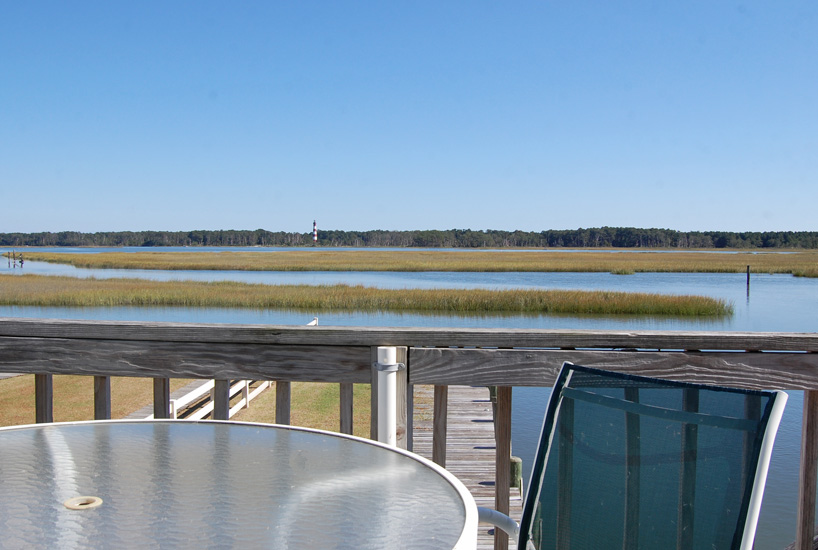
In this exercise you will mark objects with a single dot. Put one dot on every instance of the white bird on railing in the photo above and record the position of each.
(313, 322)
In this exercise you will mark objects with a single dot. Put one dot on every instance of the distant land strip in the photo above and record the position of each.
(604, 237)
(51, 291)
(800, 263)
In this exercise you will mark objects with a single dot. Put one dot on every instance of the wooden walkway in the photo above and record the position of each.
(470, 446)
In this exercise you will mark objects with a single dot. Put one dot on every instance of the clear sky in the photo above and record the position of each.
(182, 115)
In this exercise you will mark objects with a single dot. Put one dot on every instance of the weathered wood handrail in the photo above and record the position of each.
(436, 356)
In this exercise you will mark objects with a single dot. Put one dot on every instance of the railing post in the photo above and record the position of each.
(221, 400)
(161, 397)
(502, 475)
(282, 402)
(808, 473)
(102, 397)
(43, 398)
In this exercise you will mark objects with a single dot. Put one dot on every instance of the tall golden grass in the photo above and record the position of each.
(38, 290)
(803, 263)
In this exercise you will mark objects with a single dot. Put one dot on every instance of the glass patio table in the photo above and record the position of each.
(176, 483)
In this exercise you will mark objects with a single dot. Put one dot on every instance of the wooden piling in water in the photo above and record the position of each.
(748, 280)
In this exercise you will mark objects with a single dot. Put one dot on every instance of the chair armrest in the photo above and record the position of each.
(499, 520)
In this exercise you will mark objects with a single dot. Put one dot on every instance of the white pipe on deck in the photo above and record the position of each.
(387, 366)
(499, 520)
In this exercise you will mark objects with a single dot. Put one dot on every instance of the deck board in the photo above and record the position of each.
(470, 446)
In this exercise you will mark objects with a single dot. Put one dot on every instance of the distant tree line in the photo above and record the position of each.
(618, 237)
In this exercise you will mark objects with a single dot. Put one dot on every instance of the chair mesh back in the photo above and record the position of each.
(632, 462)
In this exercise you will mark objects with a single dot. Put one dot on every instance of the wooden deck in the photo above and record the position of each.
(440, 356)
(470, 446)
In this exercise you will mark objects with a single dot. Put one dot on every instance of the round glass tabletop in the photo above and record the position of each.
(177, 483)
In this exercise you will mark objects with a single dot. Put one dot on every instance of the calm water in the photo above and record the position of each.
(775, 303)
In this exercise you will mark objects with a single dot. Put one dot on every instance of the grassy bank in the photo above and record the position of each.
(803, 263)
(313, 405)
(38, 290)
(74, 397)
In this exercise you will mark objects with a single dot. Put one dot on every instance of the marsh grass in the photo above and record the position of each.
(47, 291)
(809, 272)
(322, 259)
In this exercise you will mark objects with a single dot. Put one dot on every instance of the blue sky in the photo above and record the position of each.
(187, 115)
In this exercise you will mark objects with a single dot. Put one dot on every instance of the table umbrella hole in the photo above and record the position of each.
(82, 503)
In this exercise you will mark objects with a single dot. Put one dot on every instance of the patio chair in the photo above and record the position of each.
(629, 462)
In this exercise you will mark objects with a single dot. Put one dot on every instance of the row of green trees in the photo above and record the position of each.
(619, 237)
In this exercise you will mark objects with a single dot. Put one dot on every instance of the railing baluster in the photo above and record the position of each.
(373, 394)
(441, 411)
(221, 400)
(346, 407)
(565, 474)
(401, 382)
(808, 474)
(502, 476)
(633, 461)
(161, 397)
(282, 402)
(43, 398)
(687, 474)
(410, 416)
(102, 397)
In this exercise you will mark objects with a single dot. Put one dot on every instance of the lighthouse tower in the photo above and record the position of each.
(314, 232)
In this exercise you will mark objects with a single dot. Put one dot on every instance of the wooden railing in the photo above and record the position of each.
(197, 403)
(435, 356)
